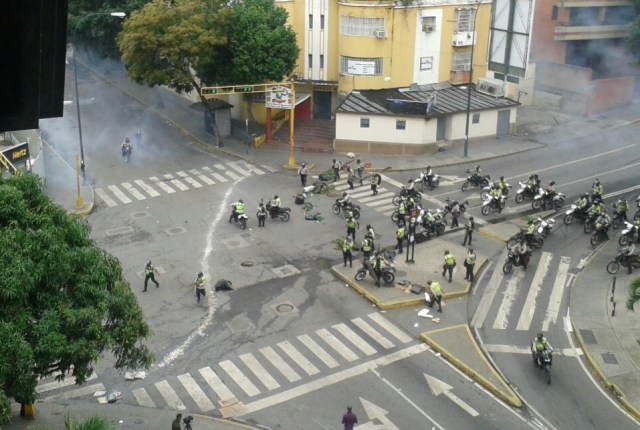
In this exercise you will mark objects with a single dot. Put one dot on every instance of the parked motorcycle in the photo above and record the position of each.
(241, 220)
(536, 241)
(513, 260)
(545, 226)
(388, 275)
(493, 204)
(422, 182)
(540, 201)
(475, 181)
(283, 213)
(485, 194)
(349, 207)
(435, 228)
(621, 260)
(524, 193)
(404, 192)
(543, 361)
(574, 213)
(628, 233)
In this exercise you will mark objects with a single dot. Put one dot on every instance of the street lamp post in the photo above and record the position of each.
(473, 45)
(75, 76)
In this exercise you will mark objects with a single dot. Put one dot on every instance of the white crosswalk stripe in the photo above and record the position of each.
(529, 305)
(185, 177)
(502, 317)
(242, 170)
(163, 185)
(176, 182)
(105, 197)
(202, 177)
(119, 194)
(227, 172)
(146, 188)
(271, 370)
(556, 294)
(133, 191)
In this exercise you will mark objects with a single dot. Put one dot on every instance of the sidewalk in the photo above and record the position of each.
(609, 343)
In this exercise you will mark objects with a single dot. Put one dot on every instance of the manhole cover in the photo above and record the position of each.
(609, 358)
(175, 230)
(284, 308)
(140, 214)
(119, 230)
(247, 264)
(239, 325)
(284, 271)
(588, 337)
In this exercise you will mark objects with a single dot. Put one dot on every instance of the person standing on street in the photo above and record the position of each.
(455, 213)
(376, 179)
(149, 273)
(175, 424)
(400, 234)
(200, 284)
(262, 214)
(468, 231)
(352, 223)
(359, 169)
(347, 246)
(436, 289)
(469, 263)
(351, 177)
(303, 172)
(371, 234)
(449, 264)
(336, 169)
(349, 420)
(366, 246)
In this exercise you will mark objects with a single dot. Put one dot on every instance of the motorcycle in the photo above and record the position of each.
(590, 223)
(422, 182)
(435, 228)
(486, 191)
(395, 215)
(536, 241)
(283, 213)
(599, 235)
(241, 219)
(621, 260)
(628, 234)
(388, 275)
(525, 192)
(405, 192)
(543, 361)
(475, 180)
(617, 217)
(349, 207)
(545, 226)
(449, 205)
(493, 204)
(513, 260)
(541, 201)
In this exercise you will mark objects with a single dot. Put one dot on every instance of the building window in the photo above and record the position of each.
(321, 22)
(361, 66)
(554, 13)
(310, 22)
(465, 20)
(364, 122)
(618, 15)
(321, 61)
(310, 61)
(461, 61)
(476, 118)
(584, 16)
(428, 24)
(401, 124)
(426, 63)
(360, 26)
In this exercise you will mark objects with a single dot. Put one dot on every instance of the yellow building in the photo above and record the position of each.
(361, 44)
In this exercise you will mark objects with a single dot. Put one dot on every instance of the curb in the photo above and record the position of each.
(235, 422)
(510, 397)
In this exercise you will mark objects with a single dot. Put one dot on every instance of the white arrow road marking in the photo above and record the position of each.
(440, 387)
(375, 412)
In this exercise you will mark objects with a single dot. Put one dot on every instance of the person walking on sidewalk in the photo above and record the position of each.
(352, 224)
(376, 179)
(436, 289)
(303, 172)
(199, 286)
(177, 423)
(468, 230)
(349, 420)
(351, 177)
(449, 264)
(149, 273)
(469, 264)
(359, 169)
(347, 246)
(336, 169)
(400, 235)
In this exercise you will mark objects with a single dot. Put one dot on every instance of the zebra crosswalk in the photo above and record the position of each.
(276, 369)
(520, 302)
(169, 183)
(51, 389)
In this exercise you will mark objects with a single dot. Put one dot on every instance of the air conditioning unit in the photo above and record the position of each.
(462, 38)
(492, 87)
(428, 28)
(380, 33)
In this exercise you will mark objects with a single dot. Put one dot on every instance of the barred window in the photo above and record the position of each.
(461, 61)
(401, 124)
(465, 20)
(361, 66)
(360, 26)
(364, 122)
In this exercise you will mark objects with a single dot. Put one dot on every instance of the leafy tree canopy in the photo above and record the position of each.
(191, 43)
(63, 300)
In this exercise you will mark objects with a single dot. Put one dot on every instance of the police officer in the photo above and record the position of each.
(540, 343)
(468, 231)
(274, 206)
(238, 209)
(149, 273)
(352, 223)
(449, 264)
(366, 247)
(347, 246)
(436, 289)
(469, 263)
(597, 189)
(400, 235)
(199, 285)
(376, 179)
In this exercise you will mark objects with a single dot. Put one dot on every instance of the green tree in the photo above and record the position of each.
(634, 294)
(63, 300)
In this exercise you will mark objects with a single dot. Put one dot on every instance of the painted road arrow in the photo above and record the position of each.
(375, 412)
(440, 387)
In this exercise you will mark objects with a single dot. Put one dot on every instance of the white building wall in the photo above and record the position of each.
(317, 39)
(427, 53)
(382, 129)
(487, 126)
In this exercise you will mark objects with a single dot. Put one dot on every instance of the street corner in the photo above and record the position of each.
(501, 232)
(457, 345)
